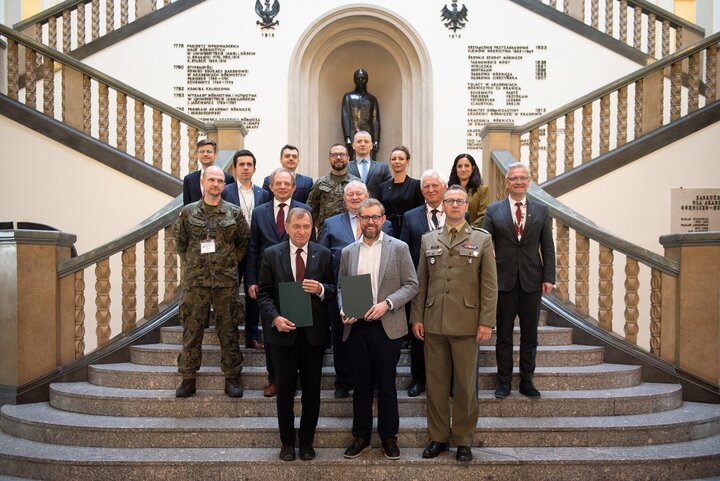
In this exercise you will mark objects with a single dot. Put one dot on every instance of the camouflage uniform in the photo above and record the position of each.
(210, 278)
(327, 196)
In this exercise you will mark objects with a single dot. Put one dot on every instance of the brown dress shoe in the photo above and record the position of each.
(269, 390)
(253, 344)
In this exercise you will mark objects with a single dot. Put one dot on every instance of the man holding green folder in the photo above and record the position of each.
(374, 332)
(295, 325)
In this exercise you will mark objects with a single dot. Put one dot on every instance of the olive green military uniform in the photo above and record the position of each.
(210, 278)
(458, 293)
(327, 196)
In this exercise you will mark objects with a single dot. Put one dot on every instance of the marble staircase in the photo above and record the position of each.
(595, 421)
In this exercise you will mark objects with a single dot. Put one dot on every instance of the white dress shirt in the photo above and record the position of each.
(369, 262)
(523, 210)
(247, 200)
(304, 255)
(440, 216)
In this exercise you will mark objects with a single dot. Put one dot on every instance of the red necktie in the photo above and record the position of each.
(299, 266)
(280, 220)
(518, 219)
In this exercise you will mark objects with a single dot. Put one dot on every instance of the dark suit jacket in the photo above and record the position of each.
(263, 234)
(532, 258)
(230, 194)
(415, 224)
(191, 186)
(337, 233)
(303, 184)
(409, 197)
(275, 268)
(378, 172)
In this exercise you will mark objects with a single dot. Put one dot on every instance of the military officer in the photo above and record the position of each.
(327, 196)
(453, 312)
(211, 237)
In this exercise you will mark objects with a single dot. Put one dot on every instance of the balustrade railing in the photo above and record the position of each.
(622, 111)
(74, 23)
(114, 268)
(102, 107)
(587, 258)
(636, 23)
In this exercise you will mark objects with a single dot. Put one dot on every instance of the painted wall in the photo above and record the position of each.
(575, 66)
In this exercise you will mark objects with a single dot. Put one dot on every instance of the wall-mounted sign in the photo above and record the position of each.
(694, 210)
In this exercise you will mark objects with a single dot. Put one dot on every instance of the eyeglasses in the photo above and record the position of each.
(518, 178)
(455, 201)
(368, 218)
(338, 155)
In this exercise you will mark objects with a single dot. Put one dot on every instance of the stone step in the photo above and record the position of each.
(547, 336)
(41, 422)
(567, 355)
(139, 376)
(690, 459)
(107, 401)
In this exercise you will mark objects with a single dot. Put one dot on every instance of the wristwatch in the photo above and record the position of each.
(387, 301)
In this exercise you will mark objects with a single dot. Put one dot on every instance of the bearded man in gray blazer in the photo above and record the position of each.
(374, 341)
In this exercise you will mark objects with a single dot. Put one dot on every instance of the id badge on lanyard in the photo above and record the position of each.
(208, 245)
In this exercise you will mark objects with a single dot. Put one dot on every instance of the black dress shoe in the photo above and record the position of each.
(416, 389)
(390, 449)
(342, 393)
(287, 453)
(359, 446)
(464, 454)
(528, 389)
(307, 452)
(232, 388)
(434, 449)
(253, 344)
(503, 390)
(186, 389)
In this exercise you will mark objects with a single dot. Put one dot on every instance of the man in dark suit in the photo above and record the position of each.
(267, 228)
(290, 159)
(296, 350)
(525, 257)
(247, 195)
(374, 341)
(370, 171)
(338, 232)
(206, 151)
(417, 222)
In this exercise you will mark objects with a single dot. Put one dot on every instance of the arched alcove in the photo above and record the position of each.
(321, 71)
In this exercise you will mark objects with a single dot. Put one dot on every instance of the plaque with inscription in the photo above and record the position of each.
(694, 210)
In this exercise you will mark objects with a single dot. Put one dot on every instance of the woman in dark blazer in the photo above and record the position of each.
(401, 193)
(466, 174)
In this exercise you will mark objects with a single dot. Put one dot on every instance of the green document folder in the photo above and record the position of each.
(295, 304)
(356, 295)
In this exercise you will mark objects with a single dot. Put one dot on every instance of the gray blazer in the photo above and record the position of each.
(397, 282)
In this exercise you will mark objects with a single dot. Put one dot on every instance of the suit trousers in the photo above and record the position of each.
(374, 361)
(526, 306)
(417, 354)
(451, 357)
(341, 359)
(307, 360)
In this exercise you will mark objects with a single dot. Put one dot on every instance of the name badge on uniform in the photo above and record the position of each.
(207, 246)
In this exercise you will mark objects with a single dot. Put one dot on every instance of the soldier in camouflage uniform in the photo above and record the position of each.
(327, 195)
(211, 237)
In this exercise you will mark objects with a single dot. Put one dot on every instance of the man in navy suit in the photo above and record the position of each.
(289, 159)
(416, 223)
(525, 256)
(370, 171)
(206, 151)
(246, 195)
(338, 232)
(267, 228)
(296, 350)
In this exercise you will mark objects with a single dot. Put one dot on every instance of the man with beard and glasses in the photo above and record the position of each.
(327, 196)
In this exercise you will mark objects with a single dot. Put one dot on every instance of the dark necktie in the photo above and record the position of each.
(434, 218)
(280, 220)
(453, 233)
(518, 219)
(299, 266)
